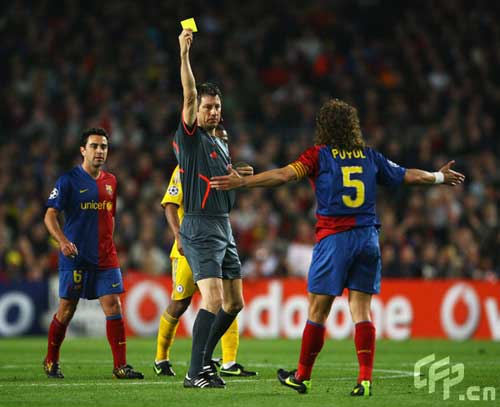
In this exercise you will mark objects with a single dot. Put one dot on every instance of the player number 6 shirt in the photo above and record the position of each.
(89, 207)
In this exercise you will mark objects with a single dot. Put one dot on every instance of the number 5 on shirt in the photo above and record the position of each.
(359, 199)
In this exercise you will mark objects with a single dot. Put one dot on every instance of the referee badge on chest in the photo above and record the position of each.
(109, 189)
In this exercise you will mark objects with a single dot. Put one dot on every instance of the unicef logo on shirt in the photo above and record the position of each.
(97, 206)
(54, 193)
(173, 190)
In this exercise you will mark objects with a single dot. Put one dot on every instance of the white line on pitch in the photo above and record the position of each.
(399, 374)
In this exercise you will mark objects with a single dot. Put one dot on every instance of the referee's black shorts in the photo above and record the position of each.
(209, 247)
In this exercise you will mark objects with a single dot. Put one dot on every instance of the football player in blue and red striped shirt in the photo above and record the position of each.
(88, 262)
(345, 174)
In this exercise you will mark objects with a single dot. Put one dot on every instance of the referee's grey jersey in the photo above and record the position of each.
(200, 157)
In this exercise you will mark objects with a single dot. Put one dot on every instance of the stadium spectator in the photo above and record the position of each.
(422, 74)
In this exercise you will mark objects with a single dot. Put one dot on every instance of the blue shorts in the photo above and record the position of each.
(89, 283)
(349, 259)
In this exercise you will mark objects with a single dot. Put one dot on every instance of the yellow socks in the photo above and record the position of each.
(166, 335)
(230, 342)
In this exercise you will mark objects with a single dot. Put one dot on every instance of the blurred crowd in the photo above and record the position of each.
(424, 76)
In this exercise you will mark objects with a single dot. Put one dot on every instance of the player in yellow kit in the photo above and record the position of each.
(183, 290)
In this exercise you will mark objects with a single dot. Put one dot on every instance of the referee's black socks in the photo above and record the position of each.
(202, 328)
(222, 322)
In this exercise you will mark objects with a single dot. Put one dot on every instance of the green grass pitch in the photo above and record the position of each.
(87, 365)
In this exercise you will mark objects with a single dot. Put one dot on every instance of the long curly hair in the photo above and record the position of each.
(337, 125)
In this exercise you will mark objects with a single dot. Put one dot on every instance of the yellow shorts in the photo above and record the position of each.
(182, 279)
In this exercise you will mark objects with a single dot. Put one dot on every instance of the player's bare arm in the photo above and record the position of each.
(174, 223)
(271, 178)
(187, 79)
(67, 248)
(420, 177)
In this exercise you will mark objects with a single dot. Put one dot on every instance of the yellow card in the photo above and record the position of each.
(189, 24)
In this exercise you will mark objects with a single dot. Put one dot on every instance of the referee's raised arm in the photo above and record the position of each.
(187, 78)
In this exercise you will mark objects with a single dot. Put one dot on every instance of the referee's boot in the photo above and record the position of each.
(211, 371)
(202, 381)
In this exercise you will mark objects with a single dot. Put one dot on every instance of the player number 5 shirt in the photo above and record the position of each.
(345, 185)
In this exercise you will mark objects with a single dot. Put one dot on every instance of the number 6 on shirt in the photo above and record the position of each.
(77, 276)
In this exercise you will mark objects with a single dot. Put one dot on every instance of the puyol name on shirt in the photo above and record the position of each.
(343, 154)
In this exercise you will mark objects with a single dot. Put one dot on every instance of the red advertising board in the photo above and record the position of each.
(455, 309)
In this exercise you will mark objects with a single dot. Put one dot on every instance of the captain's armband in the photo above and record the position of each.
(300, 169)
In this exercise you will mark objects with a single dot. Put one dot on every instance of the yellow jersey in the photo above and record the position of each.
(173, 194)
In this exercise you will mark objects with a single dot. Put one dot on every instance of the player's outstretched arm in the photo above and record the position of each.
(271, 178)
(445, 175)
(52, 223)
(187, 79)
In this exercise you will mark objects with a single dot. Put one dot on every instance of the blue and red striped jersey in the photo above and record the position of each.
(345, 184)
(89, 207)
